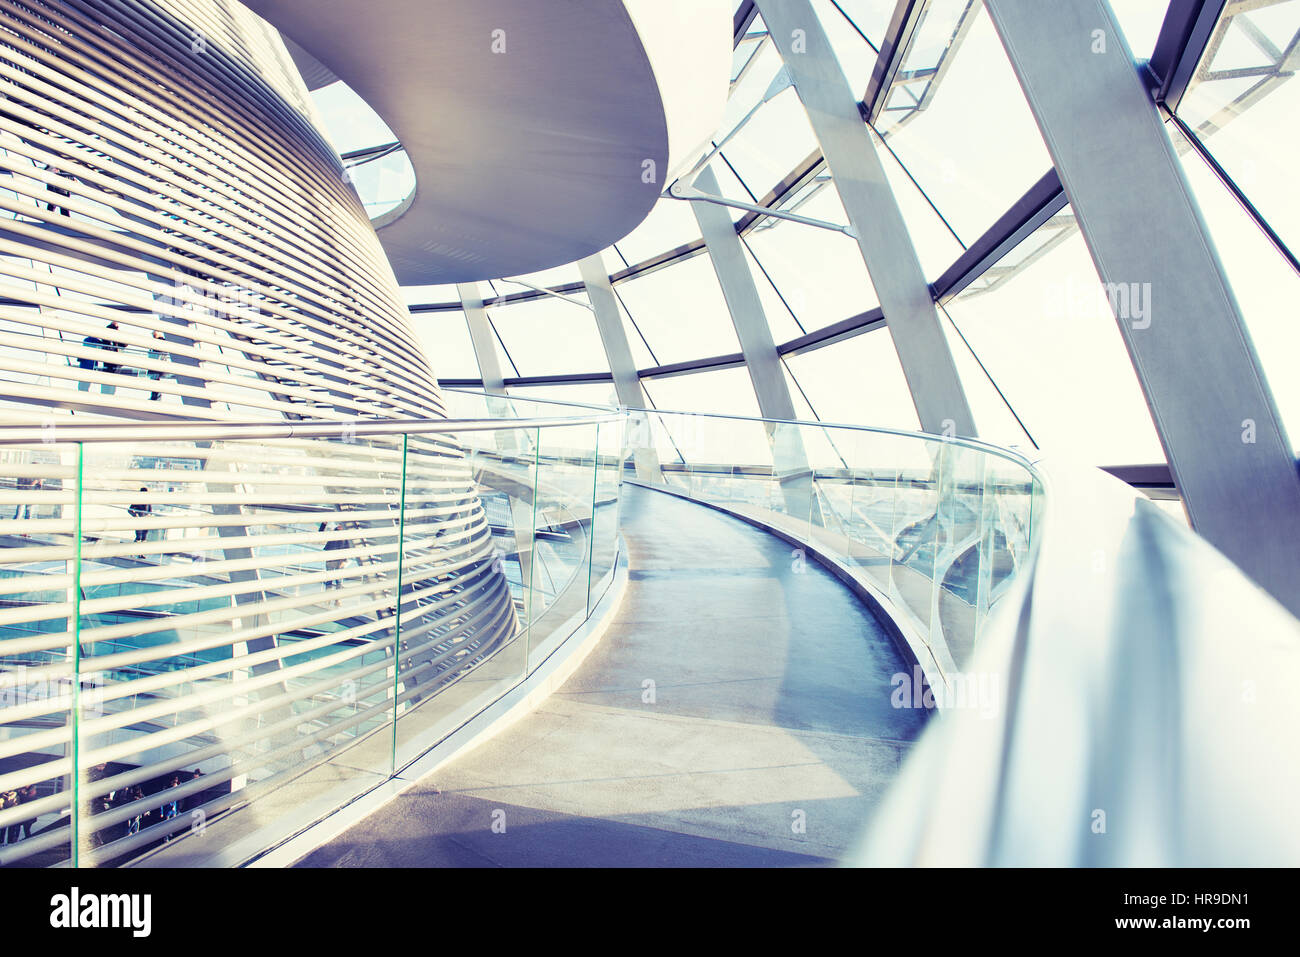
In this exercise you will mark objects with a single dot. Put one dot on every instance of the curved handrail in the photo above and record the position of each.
(1144, 707)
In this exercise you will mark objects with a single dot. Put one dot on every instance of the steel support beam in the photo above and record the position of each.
(864, 190)
(613, 335)
(1184, 35)
(1221, 431)
(763, 362)
(737, 282)
(480, 334)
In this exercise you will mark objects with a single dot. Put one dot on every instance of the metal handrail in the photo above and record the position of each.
(57, 432)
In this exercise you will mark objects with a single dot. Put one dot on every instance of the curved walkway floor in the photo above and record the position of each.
(737, 712)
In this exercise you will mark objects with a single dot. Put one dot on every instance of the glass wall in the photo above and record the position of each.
(249, 633)
(1037, 351)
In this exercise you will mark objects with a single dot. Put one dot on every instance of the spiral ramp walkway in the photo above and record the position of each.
(736, 713)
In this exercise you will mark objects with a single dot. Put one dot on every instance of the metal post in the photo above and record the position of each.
(480, 334)
(614, 337)
(789, 458)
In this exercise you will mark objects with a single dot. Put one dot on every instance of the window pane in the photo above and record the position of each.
(819, 272)
(445, 340)
(1247, 117)
(548, 336)
(681, 311)
(971, 141)
(1049, 340)
(720, 392)
(857, 382)
(1263, 283)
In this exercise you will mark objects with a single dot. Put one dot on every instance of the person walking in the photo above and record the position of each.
(90, 342)
(155, 374)
(172, 808)
(25, 484)
(23, 829)
(140, 511)
(334, 564)
(56, 191)
(111, 345)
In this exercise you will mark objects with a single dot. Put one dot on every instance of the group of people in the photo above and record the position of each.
(23, 829)
(170, 806)
(108, 365)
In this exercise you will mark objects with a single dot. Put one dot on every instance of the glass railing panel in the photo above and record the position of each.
(915, 531)
(988, 544)
(38, 659)
(868, 520)
(562, 544)
(792, 479)
(467, 595)
(237, 598)
(957, 557)
(610, 452)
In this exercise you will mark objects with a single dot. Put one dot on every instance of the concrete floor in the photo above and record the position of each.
(737, 713)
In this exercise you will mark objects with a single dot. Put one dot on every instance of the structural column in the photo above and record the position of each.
(873, 212)
(737, 282)
(789, 457)
(1211, 405)
(480, 334)
(627, 384)
(612, 334)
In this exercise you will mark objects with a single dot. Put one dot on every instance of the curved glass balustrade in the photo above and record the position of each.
(934, 528)
(235, 630)
(208, 621)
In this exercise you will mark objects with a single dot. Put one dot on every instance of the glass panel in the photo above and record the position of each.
(1242, 103)
(915, 530)
(869, 522)
(548, 336)
(604, 533)
(590, 393)
(776, 139)
(38, 660)
(1141, 21)
(445, 339)
(1079, 391)
(465, 597)
(721, 391)
(856, 29)
(819, 272)
(962, 127)
(237, 599)
(957, 560)
(658, 301)
(857, 381)
(560, 571)
(1261, 280)
(669, 225)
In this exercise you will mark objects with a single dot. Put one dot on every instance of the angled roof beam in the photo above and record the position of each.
(744, 18)
(1184, 35)
(902, 27)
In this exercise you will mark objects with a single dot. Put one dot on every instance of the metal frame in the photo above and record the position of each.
(613, 336)
(873, 211)
(480, 334)
(1193, 357)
